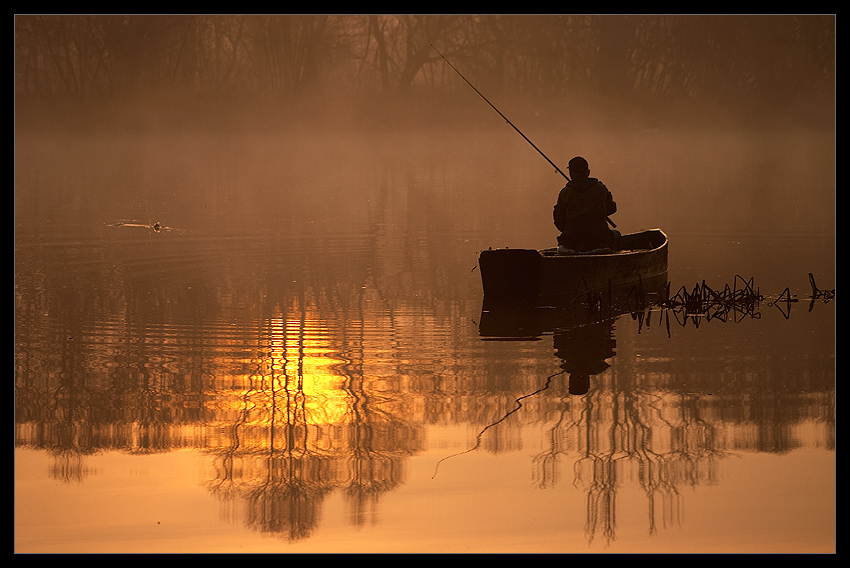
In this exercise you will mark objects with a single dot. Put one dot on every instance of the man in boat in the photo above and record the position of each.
(581, 213)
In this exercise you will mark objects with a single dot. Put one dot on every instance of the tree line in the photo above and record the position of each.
(646, 58)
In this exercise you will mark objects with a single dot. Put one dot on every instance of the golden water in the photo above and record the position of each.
(291, 360)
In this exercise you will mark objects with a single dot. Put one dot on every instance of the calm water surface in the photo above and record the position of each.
(294, 361)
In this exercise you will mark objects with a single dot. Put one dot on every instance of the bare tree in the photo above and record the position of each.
(398, 47)
(733, 60)
(289, 53)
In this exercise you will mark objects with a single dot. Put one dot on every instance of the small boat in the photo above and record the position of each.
(548, 278)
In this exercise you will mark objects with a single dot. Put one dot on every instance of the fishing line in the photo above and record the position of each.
(539, 151)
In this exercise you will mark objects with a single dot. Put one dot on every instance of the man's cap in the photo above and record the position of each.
(579, 164)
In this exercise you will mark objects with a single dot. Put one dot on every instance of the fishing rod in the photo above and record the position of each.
(557, 169)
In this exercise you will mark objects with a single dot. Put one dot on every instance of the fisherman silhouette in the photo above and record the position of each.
(581, 213)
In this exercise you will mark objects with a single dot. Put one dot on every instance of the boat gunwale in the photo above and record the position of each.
(622, 252)
(548, 276)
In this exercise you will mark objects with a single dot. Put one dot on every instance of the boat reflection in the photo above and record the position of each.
(308, 400)
(610, 431)
(615, 421)
(581, 325)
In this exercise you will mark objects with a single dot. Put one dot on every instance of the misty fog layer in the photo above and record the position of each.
(718, 68)
(252, 108)
(248, 309)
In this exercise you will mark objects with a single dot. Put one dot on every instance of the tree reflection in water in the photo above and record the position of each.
(305, 425)
(290, 415)
(611, 428)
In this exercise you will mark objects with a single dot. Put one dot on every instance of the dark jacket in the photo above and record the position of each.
(581, 215)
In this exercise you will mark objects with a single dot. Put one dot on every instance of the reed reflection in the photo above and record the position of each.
(304, 424)
(284, 406)
(308, 397)
(617, 424)
(613, 435)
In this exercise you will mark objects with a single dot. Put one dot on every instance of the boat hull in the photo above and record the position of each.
(541, 278)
